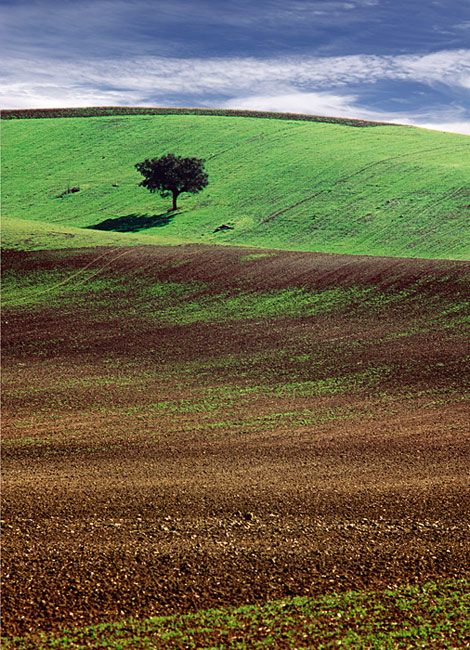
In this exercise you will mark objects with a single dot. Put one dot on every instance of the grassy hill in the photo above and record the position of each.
(279, 183)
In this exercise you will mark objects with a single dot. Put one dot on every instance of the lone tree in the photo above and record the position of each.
(172, 174)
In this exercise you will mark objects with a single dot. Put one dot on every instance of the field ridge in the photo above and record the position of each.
(100, 111)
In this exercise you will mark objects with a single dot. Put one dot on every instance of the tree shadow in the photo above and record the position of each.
(135, 222)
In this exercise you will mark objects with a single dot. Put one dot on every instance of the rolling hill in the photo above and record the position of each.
(287, 183)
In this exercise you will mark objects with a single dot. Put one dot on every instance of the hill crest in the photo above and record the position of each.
(106, 111)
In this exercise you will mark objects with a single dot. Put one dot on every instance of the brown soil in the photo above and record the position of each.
(154, 468)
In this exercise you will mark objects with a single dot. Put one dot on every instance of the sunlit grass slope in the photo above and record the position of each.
(380, 190)
(25, 234)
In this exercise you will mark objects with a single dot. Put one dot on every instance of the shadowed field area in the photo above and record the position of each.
(134, 222)
(196, 427)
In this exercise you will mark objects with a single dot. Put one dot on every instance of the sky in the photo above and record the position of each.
(404, 61)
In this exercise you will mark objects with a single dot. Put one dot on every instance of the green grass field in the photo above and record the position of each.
(278, 183)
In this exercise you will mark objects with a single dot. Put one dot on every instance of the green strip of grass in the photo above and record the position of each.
(434, 615)
(193, 302)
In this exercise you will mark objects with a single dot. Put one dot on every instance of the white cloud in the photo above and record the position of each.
(309, 103)
(451, 127)
(451, 67)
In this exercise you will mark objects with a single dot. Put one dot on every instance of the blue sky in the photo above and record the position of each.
(392, 60)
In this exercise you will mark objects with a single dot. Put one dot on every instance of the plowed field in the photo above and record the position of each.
(194, 426)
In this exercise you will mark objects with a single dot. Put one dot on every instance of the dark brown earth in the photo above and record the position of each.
(155, 467)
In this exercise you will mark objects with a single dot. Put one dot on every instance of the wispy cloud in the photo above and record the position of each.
(233, 76)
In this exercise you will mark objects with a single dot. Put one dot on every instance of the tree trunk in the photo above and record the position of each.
(175, 196)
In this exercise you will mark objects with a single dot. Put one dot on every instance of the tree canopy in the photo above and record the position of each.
(172, 175)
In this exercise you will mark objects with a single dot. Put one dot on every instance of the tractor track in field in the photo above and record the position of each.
(67, 282)
(346, 178)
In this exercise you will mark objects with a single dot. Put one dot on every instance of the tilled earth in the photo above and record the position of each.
(154, 466)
